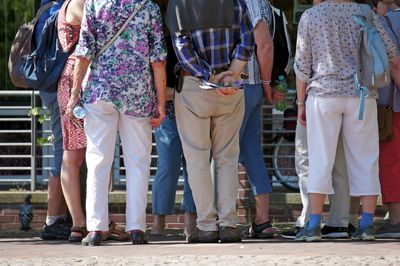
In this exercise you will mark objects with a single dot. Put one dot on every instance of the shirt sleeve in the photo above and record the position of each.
(303, 57)
(259, 11)
(158, 48)
(187, 56)
(387, 40)
(87, 39)
(245, 48)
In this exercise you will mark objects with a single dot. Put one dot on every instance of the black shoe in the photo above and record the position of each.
(200, 236)
(229, 234)
(92, 239)
(139, 237)
(334, 232)
(292, 233)
(59, 230)
(261, 231)
(352, 229)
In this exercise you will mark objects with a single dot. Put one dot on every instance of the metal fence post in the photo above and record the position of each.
(33, 143)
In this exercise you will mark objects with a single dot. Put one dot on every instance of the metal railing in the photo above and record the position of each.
(25, 163)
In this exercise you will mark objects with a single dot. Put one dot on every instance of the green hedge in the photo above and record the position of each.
(13, 13)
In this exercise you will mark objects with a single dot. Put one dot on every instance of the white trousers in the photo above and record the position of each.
(102, 123)
(340, 201)
(326, 117)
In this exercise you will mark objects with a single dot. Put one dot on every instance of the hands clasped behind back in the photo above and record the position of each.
(227, 78)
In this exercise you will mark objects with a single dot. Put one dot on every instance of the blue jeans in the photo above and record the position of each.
(49, 99)
(169, 150)
(251, 154)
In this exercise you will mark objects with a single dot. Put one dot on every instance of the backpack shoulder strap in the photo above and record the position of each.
(43, 9)
(366, 11)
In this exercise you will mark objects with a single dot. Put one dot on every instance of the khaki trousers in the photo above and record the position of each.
(208, 125)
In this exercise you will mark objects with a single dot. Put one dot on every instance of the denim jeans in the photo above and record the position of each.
(169, 150)
(49, 99)
(251, 154)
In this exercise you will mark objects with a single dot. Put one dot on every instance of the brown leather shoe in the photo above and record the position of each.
(229, 234)
(200, 236)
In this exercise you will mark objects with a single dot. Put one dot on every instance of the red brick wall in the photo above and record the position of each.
(279, 213)
(9, 214)
(9, 218)
(246, 207)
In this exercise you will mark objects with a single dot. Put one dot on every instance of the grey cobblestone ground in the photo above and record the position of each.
(174, 251)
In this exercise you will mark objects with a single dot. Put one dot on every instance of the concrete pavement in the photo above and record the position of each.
(174, 251)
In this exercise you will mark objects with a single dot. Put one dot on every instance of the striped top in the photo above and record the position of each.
(201, 51)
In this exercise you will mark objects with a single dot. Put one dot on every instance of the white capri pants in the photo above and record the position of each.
(326, 116)
(102, 123)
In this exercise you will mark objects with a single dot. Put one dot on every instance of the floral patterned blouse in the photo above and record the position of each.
(326, 49)
(122, 74)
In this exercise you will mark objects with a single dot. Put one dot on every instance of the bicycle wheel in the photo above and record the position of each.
(284, 164)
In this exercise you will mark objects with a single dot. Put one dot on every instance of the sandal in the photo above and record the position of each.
(257, 230)
(115, 233)
(80, 230)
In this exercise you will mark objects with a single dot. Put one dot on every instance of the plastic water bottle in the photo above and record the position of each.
(79, 112)
(282, 87)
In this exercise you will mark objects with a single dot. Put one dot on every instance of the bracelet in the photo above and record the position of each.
(300, 102)
(268, 82)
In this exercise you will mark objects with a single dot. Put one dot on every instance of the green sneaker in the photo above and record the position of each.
(368, 234)
(388, 230)
(309, 234)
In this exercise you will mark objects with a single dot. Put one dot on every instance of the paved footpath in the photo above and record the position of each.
(174, 251)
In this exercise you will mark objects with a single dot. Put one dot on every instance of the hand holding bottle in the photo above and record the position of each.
(281, 86)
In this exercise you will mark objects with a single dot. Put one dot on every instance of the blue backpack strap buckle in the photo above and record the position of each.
(363, 91)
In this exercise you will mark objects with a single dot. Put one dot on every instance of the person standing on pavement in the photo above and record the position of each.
(256, 89)
(340, 223)
(169, 162)
(213, 40)
(325, 67)
(74, 139)
(119, 96)
(56, 226)
(389, 157)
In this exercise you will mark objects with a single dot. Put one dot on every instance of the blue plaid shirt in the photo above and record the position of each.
(201, 51)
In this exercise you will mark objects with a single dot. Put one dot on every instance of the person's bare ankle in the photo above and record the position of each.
(190, 223)
(158, 225)
(261, 220)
